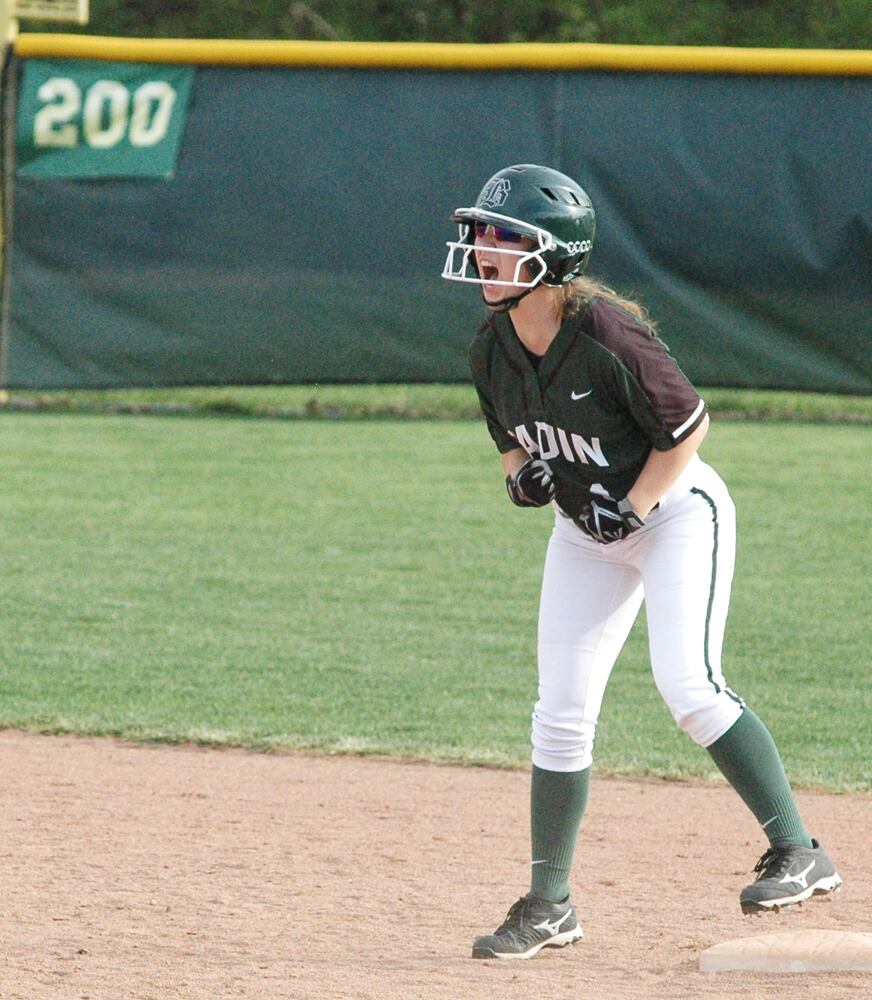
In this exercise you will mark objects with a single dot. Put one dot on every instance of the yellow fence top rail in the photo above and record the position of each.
(439, 56)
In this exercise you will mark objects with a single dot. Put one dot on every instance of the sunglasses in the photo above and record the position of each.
(503, 235)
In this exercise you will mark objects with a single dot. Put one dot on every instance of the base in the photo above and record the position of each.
(792, 951)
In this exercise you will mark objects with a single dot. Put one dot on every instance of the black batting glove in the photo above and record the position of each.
(607, 520)
(532, 485)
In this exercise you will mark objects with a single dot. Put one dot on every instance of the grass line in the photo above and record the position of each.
(411, 402)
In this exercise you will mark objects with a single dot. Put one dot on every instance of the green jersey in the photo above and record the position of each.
(603, 395)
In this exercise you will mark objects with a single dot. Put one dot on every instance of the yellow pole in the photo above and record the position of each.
(8, 31)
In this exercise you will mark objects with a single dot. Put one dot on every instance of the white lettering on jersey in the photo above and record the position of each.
(564, 445)
(554, 440)
(549, 449)
(592, 450)
(524, 440)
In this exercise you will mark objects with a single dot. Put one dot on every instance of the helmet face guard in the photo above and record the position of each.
(461, 253)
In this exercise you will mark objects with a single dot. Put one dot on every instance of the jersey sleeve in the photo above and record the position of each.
(659, 395)
(501, 438)
(479, 365)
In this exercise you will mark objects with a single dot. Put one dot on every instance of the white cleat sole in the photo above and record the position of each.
(831, 883)
(558, 941)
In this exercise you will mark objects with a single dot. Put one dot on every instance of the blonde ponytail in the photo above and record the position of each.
(578, 292)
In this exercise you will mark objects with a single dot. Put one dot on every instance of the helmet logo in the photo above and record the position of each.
(495, 192)
(579, 247)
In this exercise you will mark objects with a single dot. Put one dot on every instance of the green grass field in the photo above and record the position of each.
(437, 401)
(365, 586)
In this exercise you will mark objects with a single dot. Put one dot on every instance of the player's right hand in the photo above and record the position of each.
(532, 485)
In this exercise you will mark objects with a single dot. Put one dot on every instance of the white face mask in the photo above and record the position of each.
(458, 267)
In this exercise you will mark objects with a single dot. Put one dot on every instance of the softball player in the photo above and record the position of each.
(591, 414)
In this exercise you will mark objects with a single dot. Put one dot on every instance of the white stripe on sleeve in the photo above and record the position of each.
(687, 423)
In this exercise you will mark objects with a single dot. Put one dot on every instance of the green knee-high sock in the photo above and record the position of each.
(748, 758)
(557, 801)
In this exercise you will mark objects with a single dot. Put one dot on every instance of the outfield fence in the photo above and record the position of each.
(215, 212)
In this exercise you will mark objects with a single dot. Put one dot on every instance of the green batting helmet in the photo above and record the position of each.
(537, 202)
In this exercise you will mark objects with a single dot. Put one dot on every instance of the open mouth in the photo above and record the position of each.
(488, 270)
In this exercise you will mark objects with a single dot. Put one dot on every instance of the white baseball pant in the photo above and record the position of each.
(681, 563)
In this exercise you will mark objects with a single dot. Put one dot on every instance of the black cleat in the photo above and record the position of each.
(789, 875)
(532, 923)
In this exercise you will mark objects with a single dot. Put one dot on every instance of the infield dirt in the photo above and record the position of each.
(176, 872)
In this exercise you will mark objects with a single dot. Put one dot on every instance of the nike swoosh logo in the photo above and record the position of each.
(580, 395)
(544, 861)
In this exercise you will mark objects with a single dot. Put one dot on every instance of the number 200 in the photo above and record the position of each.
(106, 117)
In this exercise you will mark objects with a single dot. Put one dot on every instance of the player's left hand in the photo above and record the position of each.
(607, 520)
